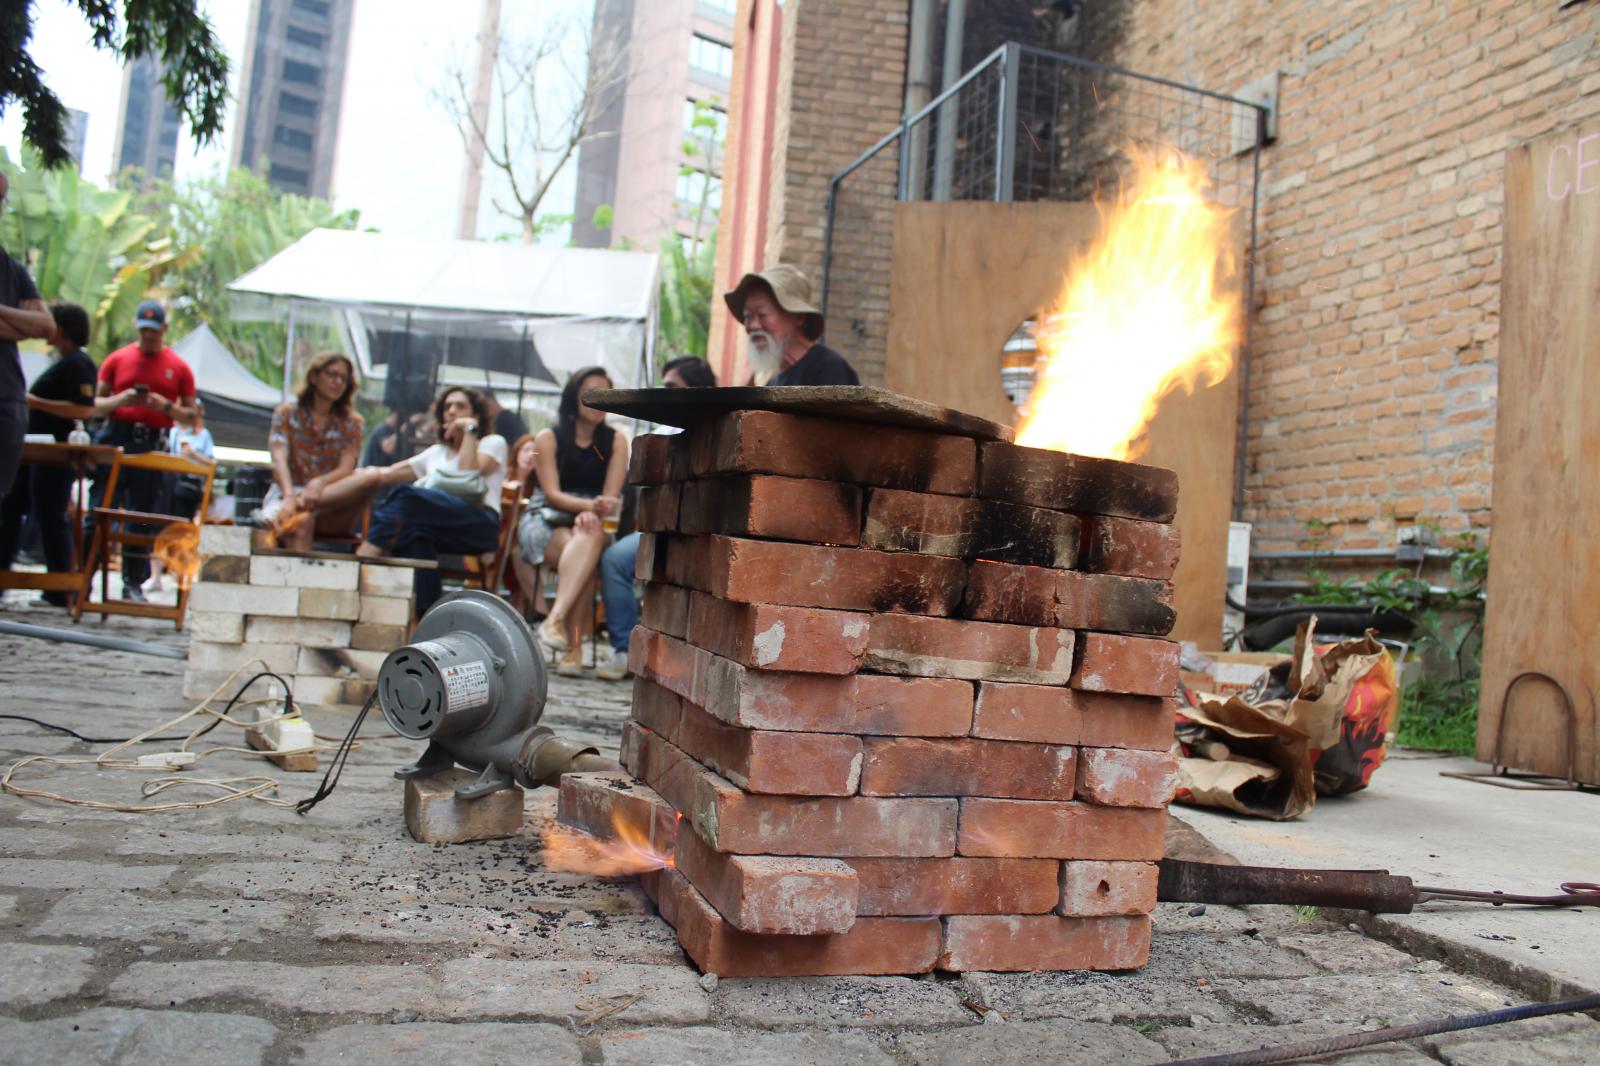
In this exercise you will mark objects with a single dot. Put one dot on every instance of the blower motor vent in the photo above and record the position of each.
(412, 693)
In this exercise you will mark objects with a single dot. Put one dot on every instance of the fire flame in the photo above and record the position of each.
(627, 853)
(1141, 313)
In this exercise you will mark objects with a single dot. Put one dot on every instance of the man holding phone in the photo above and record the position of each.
(155, 388)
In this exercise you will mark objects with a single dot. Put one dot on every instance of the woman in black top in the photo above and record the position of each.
(67, 387)
(581, 464)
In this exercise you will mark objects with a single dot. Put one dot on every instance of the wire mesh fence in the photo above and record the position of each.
(1024, 124)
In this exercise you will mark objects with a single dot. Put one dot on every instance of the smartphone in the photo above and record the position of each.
(142, 390)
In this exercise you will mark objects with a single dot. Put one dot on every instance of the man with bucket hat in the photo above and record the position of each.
(784, 329)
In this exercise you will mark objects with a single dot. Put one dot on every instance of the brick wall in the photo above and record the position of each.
(1372, 387)
(841, 88)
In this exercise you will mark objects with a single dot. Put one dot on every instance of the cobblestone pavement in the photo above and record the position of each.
(250, 934)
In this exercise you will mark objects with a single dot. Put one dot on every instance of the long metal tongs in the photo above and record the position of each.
(1377, 891)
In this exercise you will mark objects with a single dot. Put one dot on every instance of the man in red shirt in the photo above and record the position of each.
(163, 393)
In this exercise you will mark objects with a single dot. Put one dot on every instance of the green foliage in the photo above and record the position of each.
(1305, 915)
(194, 66)
(603, 217)
(234, 223)
(86, 244)
(687, 286)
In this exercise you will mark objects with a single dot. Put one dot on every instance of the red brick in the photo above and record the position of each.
(1091, 888)
(872, 946)
(956, 886)
(1045, 830)
(1133, 665)
(651, 562)
(647, 462)
(948, 647)
(968, 528)
(1022, 942)
(665, 608)
(609, 806)
(730, 819)
(658, 507)
(810, 575)
(658, 709)
(768, 894)
(1084, 485)
(782, 508)
(761, 760)
(912, 766)
(1033, 595)
(1117, 777)
(775, 637)
(763, 442)
(1048, 714)
(809, 703)
(1129, 547)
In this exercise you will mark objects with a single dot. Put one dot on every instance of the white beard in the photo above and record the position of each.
(765, 360)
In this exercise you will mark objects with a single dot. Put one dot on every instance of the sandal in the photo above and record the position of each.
(554, 637)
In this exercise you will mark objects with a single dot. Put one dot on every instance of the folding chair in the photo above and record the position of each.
(111, 529)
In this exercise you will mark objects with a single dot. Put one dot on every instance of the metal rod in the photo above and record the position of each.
(1348, 553)
(1090, 64)
(93, 640)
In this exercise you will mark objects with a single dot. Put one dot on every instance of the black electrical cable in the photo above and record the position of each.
(1329, 1045)
(288, 703)
(330, 780)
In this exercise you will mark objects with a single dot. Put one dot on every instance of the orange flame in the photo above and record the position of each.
(629, 852)
(177, 547)
(1142, 312)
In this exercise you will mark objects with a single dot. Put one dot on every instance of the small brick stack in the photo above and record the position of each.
(906, 693)
(324, 624)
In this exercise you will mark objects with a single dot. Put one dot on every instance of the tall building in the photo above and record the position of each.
(77, 134)
(147, 123)
(657, 60)
(293, 82)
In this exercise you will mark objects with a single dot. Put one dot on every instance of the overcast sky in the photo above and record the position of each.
(399, 158)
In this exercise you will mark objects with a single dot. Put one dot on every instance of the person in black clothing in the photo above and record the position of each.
(63, 392)
(22, 315)
(581, 464)
(785, 330)
(507, 423)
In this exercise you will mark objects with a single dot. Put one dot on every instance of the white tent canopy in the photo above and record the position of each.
(501, 313)
(216, 371)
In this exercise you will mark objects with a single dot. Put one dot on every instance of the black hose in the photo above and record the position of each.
(1345, 621)
(1332, 1044)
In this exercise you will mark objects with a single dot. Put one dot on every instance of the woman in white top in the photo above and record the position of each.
(448, 499)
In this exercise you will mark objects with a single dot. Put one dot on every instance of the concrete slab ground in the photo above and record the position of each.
(1451, 833)
(248, 934)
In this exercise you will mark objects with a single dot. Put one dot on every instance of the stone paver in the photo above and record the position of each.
(137, 1038)
(432, 1043)
(722, 1046)
(246, 933)
(38, 973)
(841, 1002)
(93, 914)
(1045, 1043)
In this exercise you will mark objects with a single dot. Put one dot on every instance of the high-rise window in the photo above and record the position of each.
(312, 7)
(294, 138)
(694, 184)
(279, 174)
(296, 35)
(304, 73)
(712, 57)
(719, 133)
(290, 104)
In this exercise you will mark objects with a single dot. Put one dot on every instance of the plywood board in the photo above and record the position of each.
(1543, 603)
(965, 275)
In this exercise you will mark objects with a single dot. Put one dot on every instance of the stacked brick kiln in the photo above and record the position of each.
(901, 699)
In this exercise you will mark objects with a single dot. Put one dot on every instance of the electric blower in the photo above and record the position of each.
(472, 684)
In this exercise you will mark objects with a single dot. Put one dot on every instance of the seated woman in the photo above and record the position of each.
(581, 465)
(448, 495)
(521, 581)
(315, 441)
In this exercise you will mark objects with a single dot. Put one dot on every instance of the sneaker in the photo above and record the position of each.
(133, 594)
(554, 637)
(614, 668)
(571, 664)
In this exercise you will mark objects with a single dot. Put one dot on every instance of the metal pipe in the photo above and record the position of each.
(944, 153)
(1298, 586)
(919, 90)
(1348, 553)
(93, 640)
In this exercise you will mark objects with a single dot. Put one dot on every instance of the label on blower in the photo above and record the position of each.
(466, 685)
